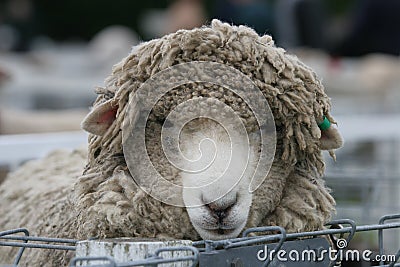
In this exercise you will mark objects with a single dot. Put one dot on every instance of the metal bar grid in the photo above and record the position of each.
(208, 245)
(54, 242)
(227, 243)
(282, 237)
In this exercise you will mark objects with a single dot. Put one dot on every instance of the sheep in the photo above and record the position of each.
(105, 200)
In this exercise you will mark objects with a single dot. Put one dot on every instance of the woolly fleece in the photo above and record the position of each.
(105, 202)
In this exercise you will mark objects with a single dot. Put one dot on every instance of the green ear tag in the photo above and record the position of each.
(325, 124)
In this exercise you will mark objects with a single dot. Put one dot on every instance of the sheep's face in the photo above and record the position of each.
(216, 195)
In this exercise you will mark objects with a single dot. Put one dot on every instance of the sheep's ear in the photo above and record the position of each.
(331, 138)
(100, 118)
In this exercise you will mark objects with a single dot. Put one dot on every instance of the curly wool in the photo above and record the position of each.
(297, 99)
(105, 201)
(37, 196)
(293, 91)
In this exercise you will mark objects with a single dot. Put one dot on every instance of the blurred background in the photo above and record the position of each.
(54, 53)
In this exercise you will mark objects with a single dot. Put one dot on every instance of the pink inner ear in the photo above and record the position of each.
(108, 117)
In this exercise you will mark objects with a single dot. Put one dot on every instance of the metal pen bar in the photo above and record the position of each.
(396, 258)
(244, 241)
(22, 249)
(227, 242)
(338, 223)
(382, 221)
(40, 239)
(263, 229)
(211, 245)
(257, 239)
(14, 231)
(352, 224)
(30, 245)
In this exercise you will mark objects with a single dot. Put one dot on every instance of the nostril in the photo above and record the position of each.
(218, 207)
(221, 213)
(217, 212)
(221, 207)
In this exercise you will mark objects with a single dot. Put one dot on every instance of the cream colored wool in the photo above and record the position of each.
(37, 196)
(105, 201)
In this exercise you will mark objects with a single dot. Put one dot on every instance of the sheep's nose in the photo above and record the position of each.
(220, 207)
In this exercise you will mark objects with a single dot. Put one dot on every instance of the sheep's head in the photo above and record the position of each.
(201, 124)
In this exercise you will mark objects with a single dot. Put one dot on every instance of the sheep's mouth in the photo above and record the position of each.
(213, 227)
(221, 231)
(218, 231)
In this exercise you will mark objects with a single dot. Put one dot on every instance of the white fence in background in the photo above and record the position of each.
(16, 149)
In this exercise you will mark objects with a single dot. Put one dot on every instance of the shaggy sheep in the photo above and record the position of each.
(105, 201)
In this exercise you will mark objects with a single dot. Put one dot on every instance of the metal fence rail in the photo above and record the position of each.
(234, 252)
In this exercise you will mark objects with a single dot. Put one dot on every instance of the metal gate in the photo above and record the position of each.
(261, 246)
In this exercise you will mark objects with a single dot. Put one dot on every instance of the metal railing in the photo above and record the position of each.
(234, 252)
